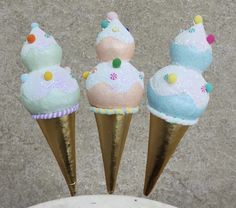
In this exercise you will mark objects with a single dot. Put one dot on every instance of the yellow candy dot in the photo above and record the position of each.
(172, 78)
(85, 74)
(115, 29)
(48, 75)
(198, 19)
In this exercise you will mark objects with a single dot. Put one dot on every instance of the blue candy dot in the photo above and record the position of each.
(24, 77)
(127, 28)
(209, 87)
(34, 24)
(104, 23)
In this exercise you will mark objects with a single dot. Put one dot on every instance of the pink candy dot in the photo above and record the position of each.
(210, 38)
(112, 15)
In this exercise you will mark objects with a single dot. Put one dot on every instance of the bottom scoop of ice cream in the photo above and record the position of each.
(115, 84)
(178, 95)
(49, 90)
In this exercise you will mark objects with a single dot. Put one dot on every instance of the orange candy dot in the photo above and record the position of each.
(31, 38)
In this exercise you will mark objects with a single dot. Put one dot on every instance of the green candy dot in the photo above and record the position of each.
(104, 23)
(209, 87)
(116, 63)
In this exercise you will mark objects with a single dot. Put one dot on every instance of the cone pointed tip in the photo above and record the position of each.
(148, 188)
(72, 188)
(73, 193)
(110, 191)
(146, 192)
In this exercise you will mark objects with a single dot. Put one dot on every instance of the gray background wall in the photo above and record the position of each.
(202, 172)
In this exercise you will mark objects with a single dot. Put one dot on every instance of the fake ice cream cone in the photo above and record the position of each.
(113, 130)
(177, 96)
(163, 140)
(114, 90)
(60, 135)
(51, 94)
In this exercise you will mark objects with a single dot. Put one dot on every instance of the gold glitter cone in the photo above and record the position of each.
(163, 140)
(60, 135)
(113, 130)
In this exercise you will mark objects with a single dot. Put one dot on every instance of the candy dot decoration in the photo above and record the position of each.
(171, 78)
(85, 75)
(116, 63)
(48, 75)
(198, 19)
(112, 15)
(31, 38)
(104, 23)
(209, 87)
(210, 38)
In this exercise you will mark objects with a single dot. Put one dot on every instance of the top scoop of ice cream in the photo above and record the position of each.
(114, 40)
(178, 93)
(49, 90)
(40, 50)
(191, 48)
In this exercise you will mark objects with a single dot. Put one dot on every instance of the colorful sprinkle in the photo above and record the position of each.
(141, 76)
(113, 76)
(170, 78)
(104, 23)
(85, 74)
(191, 30)
(198, 19)
(116, 63)
(24, 77)
(46, 35)
(209, 87)
(31, 38)
(34, 24)
(203, 89)
(112, 15)
(210, 38)
(127, 28)
(115, 29)
(48, 75)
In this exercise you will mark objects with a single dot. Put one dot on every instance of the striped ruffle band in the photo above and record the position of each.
(114, 111)
(56, 114)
